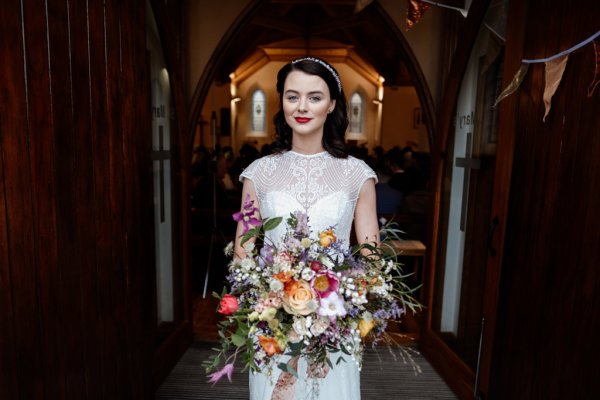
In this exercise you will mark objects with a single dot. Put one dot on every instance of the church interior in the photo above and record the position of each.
(125, 126)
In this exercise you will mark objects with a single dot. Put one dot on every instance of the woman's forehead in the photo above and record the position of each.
(304, 83)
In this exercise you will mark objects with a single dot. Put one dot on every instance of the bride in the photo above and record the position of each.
(311, 171)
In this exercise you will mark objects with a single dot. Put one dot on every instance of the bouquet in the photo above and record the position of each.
(308, 295)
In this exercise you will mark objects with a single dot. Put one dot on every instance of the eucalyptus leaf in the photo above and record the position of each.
(238, 340)
(271, 223)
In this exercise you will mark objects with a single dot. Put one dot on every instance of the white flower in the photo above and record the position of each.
(326, 261)
(247, 264)
(319, 326)
(306, 242)
(307, 274)
(300, 327)
(332, 306)
(228, 249)
(276, 285)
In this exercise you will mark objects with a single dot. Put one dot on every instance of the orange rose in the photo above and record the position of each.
(283, 276)
(327, 237)
(269, 345)
(299, 298)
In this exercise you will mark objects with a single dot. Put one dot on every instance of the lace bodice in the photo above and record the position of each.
(323, 186)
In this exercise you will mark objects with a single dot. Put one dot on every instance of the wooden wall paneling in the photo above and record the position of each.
(21, 244)
(11, 115)
(138, 178)
(82, 115)
(117, 269)
(72, 232)
(98, 132)
(43, 185)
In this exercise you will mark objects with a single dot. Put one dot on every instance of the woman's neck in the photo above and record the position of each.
(307, 146)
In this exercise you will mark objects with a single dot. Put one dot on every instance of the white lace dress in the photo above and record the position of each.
(327, 189)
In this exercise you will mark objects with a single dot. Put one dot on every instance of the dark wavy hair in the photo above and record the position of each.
(336, 122)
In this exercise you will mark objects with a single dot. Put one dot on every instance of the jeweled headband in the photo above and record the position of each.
(323, 63)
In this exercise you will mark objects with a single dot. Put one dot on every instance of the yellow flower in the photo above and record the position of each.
(365, 327)
(327, 237)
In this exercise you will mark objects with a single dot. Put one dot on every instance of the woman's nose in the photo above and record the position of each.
(303, 105)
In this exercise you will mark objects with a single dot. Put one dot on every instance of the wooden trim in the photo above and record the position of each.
(455, 373)
(168, 24)
(515, 38)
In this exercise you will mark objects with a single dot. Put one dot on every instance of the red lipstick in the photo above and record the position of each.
(302, 120)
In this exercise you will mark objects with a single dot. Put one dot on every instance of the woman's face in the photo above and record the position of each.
(306, 102)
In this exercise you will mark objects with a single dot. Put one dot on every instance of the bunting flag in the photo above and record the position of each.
(596, 79)
(361, 4)
(514, 84)
(554, 72)
(416, 9)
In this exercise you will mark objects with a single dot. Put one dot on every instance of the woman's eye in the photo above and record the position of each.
(315, 99)
(292, 98)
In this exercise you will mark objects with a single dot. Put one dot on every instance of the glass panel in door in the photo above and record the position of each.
(162, 183)
(467, 198)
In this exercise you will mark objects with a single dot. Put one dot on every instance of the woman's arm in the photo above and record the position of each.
(247, 190)
(365, 215)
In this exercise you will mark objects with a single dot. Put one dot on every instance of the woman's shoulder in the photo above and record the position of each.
(260, 165)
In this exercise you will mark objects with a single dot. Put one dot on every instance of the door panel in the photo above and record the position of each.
(467, 189)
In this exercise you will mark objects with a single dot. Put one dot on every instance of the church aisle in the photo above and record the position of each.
(386, 380)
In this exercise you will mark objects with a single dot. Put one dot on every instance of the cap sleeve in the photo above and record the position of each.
(365, 173)
(249, 171)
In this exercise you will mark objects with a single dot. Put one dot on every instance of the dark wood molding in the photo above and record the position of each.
(168, 20)
(456, 372)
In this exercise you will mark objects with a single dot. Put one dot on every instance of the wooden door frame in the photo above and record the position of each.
(170, 350)
(454, 370)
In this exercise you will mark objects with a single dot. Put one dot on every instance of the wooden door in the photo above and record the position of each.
(73, 261)
(167, 146)
(546, 344)
(462, 298)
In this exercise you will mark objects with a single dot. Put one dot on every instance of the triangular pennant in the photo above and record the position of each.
(361, 4)
(554, 72)
(596, 79)
(415, 11)
(514, 84)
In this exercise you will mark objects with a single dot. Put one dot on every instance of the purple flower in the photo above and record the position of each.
(246, 216)
(216, 376)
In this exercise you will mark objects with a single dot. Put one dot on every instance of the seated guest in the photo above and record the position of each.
(388, 199)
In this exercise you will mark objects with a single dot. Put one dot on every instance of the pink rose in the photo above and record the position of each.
(229, 304)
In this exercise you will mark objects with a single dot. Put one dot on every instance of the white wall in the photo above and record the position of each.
(399, 106)
(424, 39)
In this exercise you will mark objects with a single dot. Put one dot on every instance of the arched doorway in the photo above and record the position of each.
(252, 29)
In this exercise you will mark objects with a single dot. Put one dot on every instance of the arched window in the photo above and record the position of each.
(357, 113)
(258, 111)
